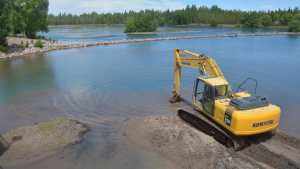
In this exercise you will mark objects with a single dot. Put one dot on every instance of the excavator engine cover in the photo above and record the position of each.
(251, 102)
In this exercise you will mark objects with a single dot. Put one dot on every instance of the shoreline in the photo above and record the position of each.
(57, 45)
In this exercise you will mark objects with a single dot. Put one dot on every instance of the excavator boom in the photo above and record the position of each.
(184, 58)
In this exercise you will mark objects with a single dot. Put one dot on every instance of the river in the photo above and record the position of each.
(106, 85)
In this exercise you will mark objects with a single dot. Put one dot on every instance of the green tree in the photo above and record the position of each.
(266, 20)
(213, 22)
(215, 8)
(251, 20)
(4, 20)
(140, 23)
(285, 18)
(191, 14)
(31, 16)
(294, 25)
(17, 23)
(131, 25)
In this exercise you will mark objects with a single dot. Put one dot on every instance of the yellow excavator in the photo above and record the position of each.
(236, 115)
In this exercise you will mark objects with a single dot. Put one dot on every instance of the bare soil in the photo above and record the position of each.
(189, 148)
(184, 146)
(32, 143)
(281, 151)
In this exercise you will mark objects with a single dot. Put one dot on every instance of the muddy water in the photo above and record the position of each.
(105, 86)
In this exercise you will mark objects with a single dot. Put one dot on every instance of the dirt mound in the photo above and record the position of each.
(31, 143)
(183, 145)
(281, 151)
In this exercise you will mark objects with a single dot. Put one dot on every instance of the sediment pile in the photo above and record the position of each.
(32, 143)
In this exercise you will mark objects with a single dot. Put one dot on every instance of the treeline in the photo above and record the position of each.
(140, 23)
(189, 15)
(22, 17)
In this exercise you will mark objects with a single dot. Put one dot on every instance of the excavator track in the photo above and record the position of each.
(202, 123)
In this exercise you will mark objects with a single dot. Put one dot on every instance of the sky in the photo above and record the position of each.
(104, 6)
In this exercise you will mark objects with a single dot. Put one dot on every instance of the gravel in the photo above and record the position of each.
(185, 146)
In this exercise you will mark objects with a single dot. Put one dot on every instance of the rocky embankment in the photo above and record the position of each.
(189, 148)
(32, 143)
(48, 45)
(23, 46)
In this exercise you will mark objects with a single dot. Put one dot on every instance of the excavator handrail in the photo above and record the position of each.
(245, 81)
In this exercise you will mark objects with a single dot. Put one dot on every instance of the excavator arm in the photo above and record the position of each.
(184, 58)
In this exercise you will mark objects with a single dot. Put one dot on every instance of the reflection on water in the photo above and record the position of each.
(106, 85)
(97, 33)
(27, 74)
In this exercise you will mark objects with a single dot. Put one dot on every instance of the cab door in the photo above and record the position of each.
(208, 100)
(203, 98)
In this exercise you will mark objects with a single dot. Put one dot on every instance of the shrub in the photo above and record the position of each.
(213, 23)
(38, 44)
(140, 23)
(22, 45)
(26, 44)
(251, 20)
(294, 25)
(266, 20)
(3, 49)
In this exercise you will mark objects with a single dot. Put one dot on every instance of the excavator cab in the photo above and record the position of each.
(207, 90)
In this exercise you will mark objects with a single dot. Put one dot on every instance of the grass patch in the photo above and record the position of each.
(49, 127)
(38, 44)
(3, 49)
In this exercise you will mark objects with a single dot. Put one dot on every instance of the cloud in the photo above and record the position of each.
(81, 6)
(103, 6)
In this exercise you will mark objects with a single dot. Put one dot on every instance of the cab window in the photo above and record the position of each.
(221, 91)
(209, 92)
